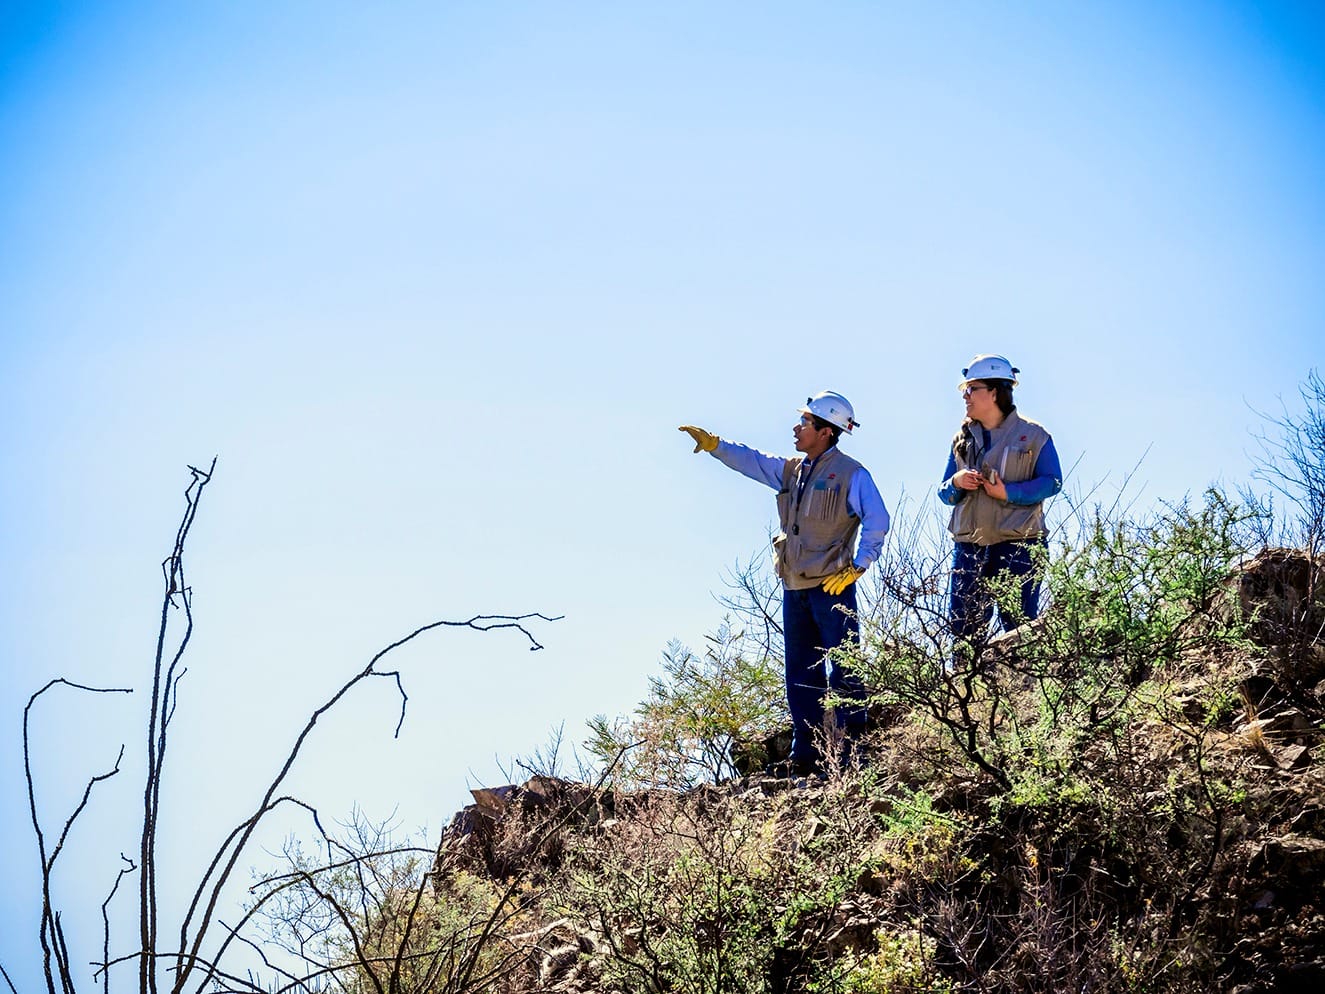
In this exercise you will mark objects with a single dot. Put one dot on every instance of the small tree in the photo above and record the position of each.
(682, 733)
(1286, 586)
(1291, 461)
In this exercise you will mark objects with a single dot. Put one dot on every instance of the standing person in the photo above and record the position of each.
(1001, 470)
(824, 498)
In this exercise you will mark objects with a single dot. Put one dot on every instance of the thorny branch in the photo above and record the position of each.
(470, 951)
(105, 922)
(164, 687)
(208, 894)
(52, 937)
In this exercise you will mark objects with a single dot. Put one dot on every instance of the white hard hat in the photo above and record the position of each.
(990, 367)
(833, 408)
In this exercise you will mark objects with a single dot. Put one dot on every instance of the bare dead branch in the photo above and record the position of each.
(208, 894)
(105, 923)
(52, 945)
(161, 711)
(262, 955)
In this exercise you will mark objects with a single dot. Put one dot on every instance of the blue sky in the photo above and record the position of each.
(437, 282)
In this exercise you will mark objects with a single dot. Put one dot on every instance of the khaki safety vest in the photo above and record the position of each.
(818, 532)
(1014, 447)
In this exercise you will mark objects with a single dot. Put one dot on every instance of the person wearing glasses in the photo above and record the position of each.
(1001, 470)
(825, 499)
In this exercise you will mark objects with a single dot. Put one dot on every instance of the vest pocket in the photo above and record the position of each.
(820, 561)
(1020, 463)
(821, 503)
(779, 555)
(818, 504)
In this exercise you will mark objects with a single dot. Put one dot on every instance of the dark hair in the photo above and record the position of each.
(821, 423)
(1002, 395)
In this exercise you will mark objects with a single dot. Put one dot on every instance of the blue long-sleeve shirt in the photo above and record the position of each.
(1046, 479)
(863, 497)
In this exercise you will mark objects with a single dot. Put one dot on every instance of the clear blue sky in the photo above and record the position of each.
(438, 281)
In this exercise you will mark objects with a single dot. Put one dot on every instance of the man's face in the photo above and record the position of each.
(810, 439)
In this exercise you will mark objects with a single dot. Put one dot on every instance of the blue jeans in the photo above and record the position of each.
(971, 603)
(814, 622)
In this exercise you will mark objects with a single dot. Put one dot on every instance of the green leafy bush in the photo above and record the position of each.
(682, 733)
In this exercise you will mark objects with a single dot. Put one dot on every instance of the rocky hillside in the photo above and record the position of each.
(1073, 811)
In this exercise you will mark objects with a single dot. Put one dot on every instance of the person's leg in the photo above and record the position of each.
(969, 605)
(838, 625)
(806, 680)
(1023, 563)
(1037, 552)
(840, 628)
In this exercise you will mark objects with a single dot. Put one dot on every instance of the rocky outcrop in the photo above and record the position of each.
(1282, 593)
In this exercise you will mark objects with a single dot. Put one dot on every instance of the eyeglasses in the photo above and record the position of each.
(966, 389)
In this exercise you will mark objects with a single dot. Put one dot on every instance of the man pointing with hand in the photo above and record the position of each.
(825, 499)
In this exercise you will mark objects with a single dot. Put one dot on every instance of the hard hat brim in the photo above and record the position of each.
(853, 423)
(964, 383)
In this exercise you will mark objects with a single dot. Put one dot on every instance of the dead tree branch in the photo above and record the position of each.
(105, 922)
(164, 686)
(52, 937)
(202, 907)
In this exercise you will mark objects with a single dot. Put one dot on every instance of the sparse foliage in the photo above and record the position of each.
(368, 916)
(682, 733)
(1126, 599)
(1291, 461)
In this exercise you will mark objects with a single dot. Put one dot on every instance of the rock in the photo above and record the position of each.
(1292, 757)
(491, 801)
(1291, 857)
(1282, 591)
(1309, 821)
(752, 756)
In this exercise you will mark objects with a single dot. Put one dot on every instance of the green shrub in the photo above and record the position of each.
(682, 733)
(903, 963)
(1126, 601)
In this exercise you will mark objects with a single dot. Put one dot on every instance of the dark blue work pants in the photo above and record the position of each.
(971, 603)
(814, 622)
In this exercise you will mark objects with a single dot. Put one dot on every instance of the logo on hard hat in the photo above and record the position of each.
(833, 408)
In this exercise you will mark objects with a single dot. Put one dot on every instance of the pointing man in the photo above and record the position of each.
(824, 499)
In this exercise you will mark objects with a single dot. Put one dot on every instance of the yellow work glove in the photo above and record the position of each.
(842, 579)
(703, 440)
